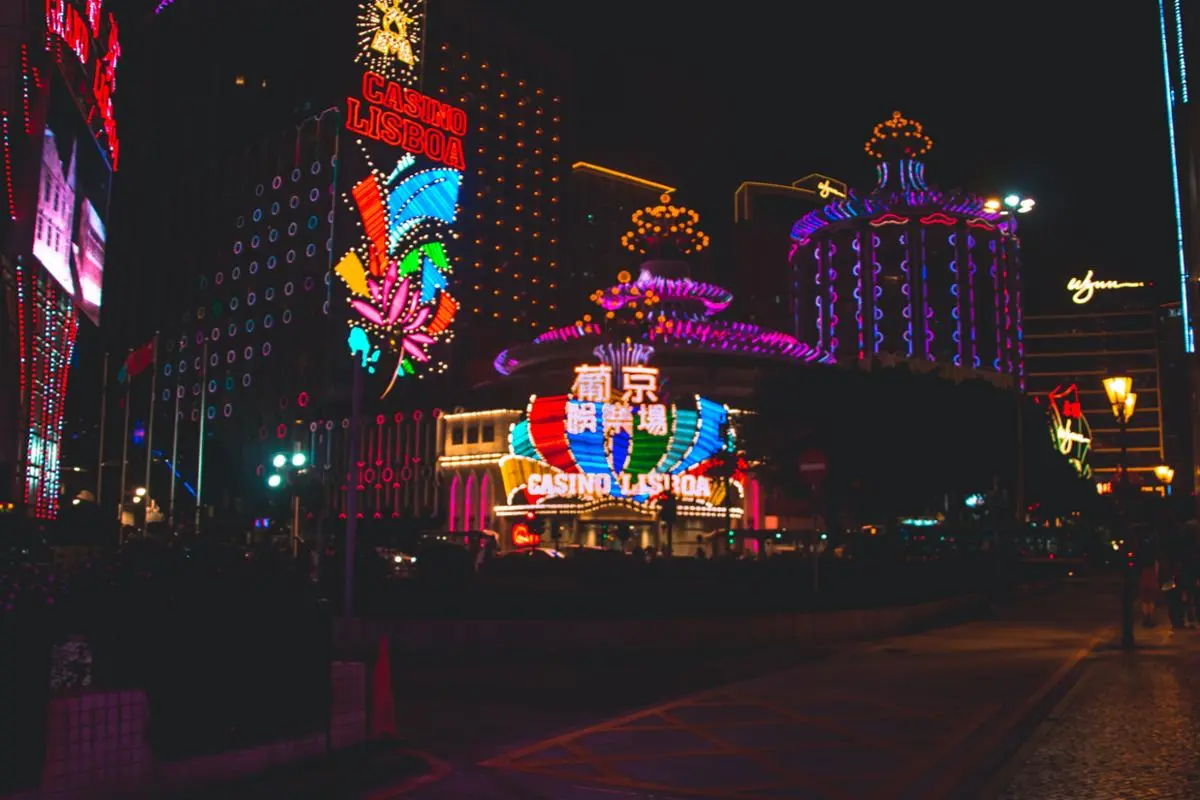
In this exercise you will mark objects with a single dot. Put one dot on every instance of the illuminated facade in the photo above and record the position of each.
(1077, 350)
(508, 260)
(641, 422)
(909, 272)
(58, 149)
(607, 454)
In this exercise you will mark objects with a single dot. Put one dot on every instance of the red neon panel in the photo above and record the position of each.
(888, 219)
(548, 430)
(446, 309)
(375, 222)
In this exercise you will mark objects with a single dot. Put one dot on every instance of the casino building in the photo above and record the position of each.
(1098, 324)
(392, 185)
(628, 426)
(907, 272)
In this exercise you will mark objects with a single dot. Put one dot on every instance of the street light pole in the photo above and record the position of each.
(1123, 402)
(1013, 206)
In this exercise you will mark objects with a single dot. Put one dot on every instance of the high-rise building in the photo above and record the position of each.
(600, 201)
(516, 89)
(402, 207)
(763, 214)
(1100, 325)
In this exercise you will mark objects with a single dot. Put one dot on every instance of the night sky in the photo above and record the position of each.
(1063, 105)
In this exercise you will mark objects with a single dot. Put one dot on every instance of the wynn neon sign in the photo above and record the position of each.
(1085, 288)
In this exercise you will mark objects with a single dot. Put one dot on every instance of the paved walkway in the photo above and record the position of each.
(1129, 730)
(904, 718)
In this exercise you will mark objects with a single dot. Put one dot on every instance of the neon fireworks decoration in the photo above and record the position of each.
(390, 38)
(397, 277)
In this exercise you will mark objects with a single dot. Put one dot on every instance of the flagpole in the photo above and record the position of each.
(174, 458)
(103, 425)
(150, 424)
(200, 447)
(124, 443)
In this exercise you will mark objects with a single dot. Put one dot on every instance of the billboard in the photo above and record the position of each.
(72, 204)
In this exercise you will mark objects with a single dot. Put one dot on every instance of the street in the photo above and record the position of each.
(934, 715)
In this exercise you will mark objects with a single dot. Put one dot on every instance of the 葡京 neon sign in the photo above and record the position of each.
(1085, 288)
(618, 442)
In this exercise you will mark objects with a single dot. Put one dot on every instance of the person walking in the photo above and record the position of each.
(1148, 590)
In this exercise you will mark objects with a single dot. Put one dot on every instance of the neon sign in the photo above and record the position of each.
(398, 275)
(405, 118)
(605, 441)
(649, 485)
(825, 189)
(1085, 288)
(1069, 429)
(390, 37)
(77, 32)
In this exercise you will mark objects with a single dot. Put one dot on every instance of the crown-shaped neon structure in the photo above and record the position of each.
(665, 231)
(898, 139)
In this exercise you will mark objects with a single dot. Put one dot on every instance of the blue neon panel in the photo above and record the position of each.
(522, 445)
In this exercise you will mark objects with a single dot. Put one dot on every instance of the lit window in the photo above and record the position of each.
(240, 80)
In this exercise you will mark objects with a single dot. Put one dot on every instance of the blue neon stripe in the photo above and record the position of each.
(1183, 81)
(1189, 344)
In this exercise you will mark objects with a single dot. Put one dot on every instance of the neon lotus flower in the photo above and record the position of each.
(395, 308)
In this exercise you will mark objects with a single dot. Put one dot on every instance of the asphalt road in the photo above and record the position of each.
(927, 716)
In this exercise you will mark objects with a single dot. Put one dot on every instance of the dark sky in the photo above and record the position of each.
(1054, 100)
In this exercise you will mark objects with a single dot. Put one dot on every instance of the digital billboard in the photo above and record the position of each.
(72, 203)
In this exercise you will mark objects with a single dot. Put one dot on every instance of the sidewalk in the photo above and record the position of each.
(376, 772)
(1129, 730)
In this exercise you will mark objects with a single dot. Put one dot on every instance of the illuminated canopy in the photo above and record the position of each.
(601, 442)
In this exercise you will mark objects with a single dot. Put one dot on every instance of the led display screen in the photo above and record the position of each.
(72, 204)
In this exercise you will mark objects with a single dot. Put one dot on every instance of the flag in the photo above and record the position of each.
(137, 362)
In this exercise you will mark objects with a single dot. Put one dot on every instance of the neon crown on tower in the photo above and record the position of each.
(898, 139)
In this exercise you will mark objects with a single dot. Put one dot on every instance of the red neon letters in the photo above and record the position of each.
(66, 22)
(405, 118)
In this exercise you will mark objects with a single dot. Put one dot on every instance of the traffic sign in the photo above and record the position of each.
(813, 466)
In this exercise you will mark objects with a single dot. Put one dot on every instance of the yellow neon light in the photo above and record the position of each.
(623, 176)
(811, 185)
(1085, 288)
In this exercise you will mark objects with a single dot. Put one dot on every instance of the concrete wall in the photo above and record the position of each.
(96, 744)
(491, 637)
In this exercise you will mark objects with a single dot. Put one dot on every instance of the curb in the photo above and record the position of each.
(437, 770)
(973, 759)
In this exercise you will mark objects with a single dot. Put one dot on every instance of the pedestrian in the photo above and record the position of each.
(1148, 589)
(1188, 578)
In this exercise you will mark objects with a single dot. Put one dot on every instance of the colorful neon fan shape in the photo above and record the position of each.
(398, 283)
(690, 445)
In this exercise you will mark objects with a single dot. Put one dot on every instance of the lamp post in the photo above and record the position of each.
(294, 463)
(1165, 476)
(1013, 206)
(1123, 402)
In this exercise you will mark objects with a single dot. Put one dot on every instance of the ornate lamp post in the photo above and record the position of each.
(1123, 402)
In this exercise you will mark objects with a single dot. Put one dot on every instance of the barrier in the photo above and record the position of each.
(97, 744)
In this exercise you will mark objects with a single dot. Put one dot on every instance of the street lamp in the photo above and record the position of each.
(296, 463)
(1123, 402)
(1165, 476)
(1012, 205)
